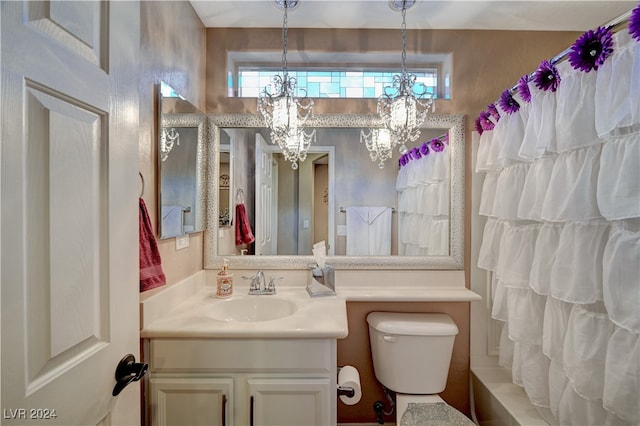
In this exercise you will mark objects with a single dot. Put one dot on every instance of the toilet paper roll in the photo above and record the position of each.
(350, 377)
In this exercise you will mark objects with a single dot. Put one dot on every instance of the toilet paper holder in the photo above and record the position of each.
(347, 391)
(348, 385)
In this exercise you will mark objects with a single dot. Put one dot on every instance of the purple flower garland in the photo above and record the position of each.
(591, 50)
(634, 23)
(434, 145)
(588, 53)
(547, 76)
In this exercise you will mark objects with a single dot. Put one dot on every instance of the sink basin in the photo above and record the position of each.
(252, 308)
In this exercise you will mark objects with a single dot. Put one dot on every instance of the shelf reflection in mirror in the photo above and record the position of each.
(344, 176)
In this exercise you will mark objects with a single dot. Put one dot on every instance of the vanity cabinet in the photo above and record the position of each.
(233, 382)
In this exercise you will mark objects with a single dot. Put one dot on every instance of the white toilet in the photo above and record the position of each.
(411, 357)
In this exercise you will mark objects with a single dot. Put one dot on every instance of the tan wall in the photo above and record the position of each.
(484, 64)
(173, 50)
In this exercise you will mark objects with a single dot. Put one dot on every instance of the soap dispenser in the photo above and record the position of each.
(225, 281)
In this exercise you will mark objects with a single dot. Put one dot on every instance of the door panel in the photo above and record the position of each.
(69, 231)
(191, 401)
(291, 402)
(264, 217)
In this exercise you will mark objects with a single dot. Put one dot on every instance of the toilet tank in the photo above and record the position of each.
(412, 351)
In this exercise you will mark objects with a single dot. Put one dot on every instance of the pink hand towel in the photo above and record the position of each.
(244, 234)
(151, 275)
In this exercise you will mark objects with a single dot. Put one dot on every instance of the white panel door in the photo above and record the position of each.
(266, 171)
(69, 212)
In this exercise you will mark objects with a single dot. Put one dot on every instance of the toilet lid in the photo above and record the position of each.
(412, 324)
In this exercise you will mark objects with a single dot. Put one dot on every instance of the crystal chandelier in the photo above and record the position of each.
(284, 113)
(379, 144)
(403, 106)
(168, 139)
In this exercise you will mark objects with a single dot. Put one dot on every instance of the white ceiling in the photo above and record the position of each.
(545, 15)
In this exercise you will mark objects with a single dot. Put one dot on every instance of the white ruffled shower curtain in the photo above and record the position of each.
(423, 186)
(561, 194)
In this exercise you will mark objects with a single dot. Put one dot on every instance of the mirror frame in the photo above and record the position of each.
(455, 260)
(196, 120)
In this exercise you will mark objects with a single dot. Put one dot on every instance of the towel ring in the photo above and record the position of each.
(240, 196)
(142, 184)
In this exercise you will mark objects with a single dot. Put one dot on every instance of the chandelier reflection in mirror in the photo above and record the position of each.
(168, 139)
(378, 143)
(286, 114)
(403, 106)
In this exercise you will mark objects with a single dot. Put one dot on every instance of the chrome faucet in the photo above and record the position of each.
(258, 285)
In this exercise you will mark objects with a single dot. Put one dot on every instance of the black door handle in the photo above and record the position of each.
(127, 371)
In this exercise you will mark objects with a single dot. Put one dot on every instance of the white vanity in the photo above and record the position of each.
(268, 360)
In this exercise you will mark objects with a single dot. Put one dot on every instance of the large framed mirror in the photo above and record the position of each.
(181, 163)
(312, 203)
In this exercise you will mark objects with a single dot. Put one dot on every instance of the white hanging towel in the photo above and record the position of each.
(368, 231)
(172, 220)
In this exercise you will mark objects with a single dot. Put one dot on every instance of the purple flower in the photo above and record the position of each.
(634, 23)
(445, 139)
(591, 49)
(547, 76)
(436, 145)
(414, 153)
(491, 109)
(507, 103)
(478, 125)
(424, 149)
(485, 122)
(523, 88)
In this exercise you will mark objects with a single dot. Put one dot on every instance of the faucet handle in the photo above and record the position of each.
(254, 282)
(272, 284)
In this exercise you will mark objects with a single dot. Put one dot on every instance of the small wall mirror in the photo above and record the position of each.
(310, 204)
(181, 164)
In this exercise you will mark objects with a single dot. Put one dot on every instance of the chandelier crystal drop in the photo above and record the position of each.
(404, 105)
(284, 112)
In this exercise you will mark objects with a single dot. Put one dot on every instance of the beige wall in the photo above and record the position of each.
(172, 49)
(484, 64)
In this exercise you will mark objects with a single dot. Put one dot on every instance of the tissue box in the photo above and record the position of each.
(322, 282)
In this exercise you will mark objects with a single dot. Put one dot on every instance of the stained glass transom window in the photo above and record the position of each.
(329, 84)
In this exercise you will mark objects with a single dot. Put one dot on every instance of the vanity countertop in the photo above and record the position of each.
(198, 317)
(186, 309)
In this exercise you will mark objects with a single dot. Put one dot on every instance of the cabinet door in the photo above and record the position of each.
(290, 402)
(191, 401)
